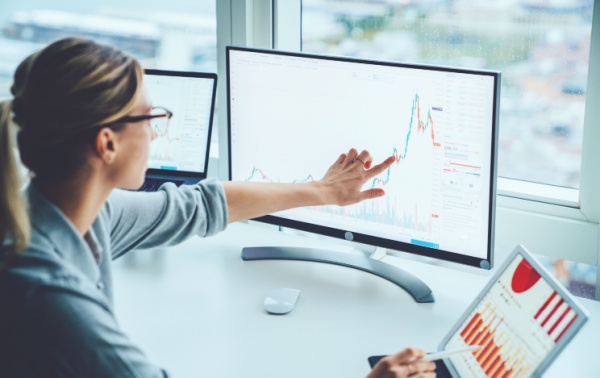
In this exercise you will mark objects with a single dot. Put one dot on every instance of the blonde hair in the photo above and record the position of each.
(63, 95)
(14, 222)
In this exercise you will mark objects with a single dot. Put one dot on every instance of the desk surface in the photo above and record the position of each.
(197, 310)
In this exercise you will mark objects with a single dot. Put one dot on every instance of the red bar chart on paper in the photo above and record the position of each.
(499, 356)
(555, 317)
(517, 323)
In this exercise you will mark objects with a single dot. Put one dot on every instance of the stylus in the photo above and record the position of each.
(448, 353)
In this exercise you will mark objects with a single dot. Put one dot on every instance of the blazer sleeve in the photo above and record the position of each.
(140, 220)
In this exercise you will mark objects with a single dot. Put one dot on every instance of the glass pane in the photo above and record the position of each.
(176, 34)
(540, 46)
(578, 278)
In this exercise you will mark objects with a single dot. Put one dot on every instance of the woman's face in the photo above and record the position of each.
(134, 147)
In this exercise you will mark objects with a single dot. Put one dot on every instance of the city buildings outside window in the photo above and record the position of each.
(541, 47)
(175, 35)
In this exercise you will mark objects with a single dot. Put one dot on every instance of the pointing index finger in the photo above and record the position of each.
(379, 168)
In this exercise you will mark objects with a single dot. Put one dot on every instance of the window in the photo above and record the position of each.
(542, 49)
(178, 35)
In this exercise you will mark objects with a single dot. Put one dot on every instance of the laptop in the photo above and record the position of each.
(522, 320)
(181, 154)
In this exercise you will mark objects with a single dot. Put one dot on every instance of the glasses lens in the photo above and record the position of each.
(159, 123)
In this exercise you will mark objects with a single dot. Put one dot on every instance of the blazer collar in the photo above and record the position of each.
(48, 220)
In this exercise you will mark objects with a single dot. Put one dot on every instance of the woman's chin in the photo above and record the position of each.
(133, 185)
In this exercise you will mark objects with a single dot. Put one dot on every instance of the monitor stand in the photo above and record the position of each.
(414, 286)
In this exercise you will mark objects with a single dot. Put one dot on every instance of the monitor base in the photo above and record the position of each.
(413, 285)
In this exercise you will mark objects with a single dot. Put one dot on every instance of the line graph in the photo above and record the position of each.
(415, 213)
(421, 127)
(164, 148)
(263, 177)
(373, 211)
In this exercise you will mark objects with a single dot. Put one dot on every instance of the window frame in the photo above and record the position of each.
(548, 220)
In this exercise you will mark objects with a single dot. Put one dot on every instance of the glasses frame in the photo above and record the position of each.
(92, 131)
(144, 117)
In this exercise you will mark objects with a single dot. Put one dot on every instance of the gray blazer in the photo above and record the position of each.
(56, 297)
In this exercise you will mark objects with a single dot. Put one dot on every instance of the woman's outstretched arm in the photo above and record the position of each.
(341, 185)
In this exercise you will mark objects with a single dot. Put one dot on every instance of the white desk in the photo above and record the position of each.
(199, 312)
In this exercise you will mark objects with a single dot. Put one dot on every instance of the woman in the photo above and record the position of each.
(84, 131)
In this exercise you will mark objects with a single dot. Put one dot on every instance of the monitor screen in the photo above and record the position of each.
(185, 144)
(292, 114)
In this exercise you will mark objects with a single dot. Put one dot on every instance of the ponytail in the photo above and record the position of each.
(14, 219)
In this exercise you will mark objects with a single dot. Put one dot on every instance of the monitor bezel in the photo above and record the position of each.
(483, 263)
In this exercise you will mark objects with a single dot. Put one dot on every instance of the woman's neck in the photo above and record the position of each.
(79, 199)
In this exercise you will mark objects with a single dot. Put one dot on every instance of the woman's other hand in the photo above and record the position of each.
(405, 363)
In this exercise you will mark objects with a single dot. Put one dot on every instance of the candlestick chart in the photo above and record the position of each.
(410, 202)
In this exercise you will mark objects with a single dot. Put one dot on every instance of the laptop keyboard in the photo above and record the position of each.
(152, 184)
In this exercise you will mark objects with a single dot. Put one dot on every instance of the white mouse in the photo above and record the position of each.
(281, 301)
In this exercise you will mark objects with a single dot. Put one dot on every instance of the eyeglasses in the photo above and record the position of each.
(159, 118)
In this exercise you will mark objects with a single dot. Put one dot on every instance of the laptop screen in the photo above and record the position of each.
(190, 96)
(522, 320)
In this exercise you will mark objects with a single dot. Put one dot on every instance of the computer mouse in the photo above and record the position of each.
(281, 301)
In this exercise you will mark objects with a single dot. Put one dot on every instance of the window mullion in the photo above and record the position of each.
(589, 191)
(287, 21)
(239, 23)
(262, 24)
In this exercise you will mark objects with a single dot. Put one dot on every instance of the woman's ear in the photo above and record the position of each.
(106, 145)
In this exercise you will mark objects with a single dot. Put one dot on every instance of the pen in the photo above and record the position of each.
(448, 353)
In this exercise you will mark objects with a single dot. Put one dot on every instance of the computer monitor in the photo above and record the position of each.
(291, 114)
